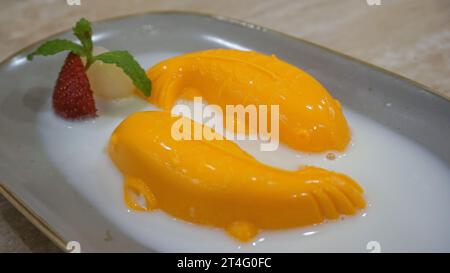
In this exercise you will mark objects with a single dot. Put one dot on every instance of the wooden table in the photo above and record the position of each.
(409, 37)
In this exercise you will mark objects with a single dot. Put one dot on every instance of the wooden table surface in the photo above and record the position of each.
(409, 37)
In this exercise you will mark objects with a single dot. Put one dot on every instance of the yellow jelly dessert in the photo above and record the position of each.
(215, 183)
(310, 119)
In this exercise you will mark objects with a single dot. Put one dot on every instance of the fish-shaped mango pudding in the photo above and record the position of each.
(215, 183)
(310, 119)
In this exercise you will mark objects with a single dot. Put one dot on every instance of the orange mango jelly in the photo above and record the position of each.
(215, 183)
(310, 119)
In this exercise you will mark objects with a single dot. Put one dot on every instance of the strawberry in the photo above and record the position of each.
(72, 97)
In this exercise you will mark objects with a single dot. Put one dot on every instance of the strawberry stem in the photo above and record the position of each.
(89, 60)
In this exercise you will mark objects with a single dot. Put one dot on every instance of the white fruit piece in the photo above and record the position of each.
(108, 80)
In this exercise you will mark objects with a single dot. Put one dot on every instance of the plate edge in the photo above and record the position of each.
(247, 25)
(33, 217)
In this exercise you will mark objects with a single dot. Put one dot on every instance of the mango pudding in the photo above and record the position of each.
(310, 119)
(215, 183)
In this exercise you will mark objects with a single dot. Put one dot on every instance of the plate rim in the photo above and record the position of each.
(247, 25)
(46, 228)
(36, 220)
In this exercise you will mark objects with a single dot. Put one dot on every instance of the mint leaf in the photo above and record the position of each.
(83, 31)
(56, 46)
(130, 66)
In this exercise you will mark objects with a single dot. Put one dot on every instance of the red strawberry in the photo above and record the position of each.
(73, 98)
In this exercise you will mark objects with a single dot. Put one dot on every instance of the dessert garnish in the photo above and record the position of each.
(73, 98)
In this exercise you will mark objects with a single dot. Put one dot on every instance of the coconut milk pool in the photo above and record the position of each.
(406, 186)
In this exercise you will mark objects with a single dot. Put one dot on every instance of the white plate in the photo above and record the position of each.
(59, 175)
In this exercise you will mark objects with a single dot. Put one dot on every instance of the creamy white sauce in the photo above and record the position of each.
(407, 187)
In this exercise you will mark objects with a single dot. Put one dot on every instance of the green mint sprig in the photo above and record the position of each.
(122, 59)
